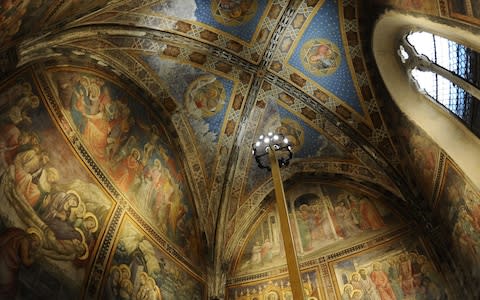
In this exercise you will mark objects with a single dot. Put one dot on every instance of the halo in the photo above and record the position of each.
(113, 268)
(126, 268)
(354, 273)
(89, 214)
(357, 291)
(87, 252)
(76, 194)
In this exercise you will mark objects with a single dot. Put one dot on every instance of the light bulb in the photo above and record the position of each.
(269, 134)
(285, 140)
(275, 137)
(260, 137)
(266, 140)
(257, 144)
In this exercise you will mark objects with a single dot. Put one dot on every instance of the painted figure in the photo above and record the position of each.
(370, 217)
(233, 12)
(17, 248)
(346, 220)
(347, 292)
(380, 279)
(207, 95)
(320, 57)
(405, 267)
(368, 287)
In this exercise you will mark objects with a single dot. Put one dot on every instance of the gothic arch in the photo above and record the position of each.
(448, 132)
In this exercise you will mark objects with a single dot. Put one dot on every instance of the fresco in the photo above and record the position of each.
(320, 57)
(458, 207)
(133, 150)
(19, 17)
(467, 10)
(325, 218)
(421, 157)
(205, 97)
(397, 271)
(319, 54)
(427, 7)
(236, 17)
(140, 270)
(276, 289)
(51, 213)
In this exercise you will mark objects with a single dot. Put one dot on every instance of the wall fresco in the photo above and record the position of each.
(326, 218)
(421, 156)
(133, 150)
(466, 10)
(458, 207)
(141, 270)
(399, 270)
(277, 289)
(52, 213)
(427, 7)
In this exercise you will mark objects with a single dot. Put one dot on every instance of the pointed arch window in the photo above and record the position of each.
(446, 71)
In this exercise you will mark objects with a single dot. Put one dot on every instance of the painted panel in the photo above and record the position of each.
(239, 18)
(277, 289)
(466, 10)
(139, 269)
(325, 218)
(427, 7)
(133, 149)
(399, 270)
(52, 212)
(458, 207)
(205, 98)
(320, 55)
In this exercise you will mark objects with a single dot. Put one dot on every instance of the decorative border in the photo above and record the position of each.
(251, 51)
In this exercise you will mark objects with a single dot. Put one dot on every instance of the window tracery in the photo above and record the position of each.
(445, 71)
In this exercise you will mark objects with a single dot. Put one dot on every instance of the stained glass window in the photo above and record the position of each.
(460, 61)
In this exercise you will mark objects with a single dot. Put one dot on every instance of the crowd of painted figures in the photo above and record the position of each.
(130, 151)
(407, 275)
(320, 220)
(57, 220)
(122, 286)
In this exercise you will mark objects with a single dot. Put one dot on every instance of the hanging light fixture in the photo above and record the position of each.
(276, 142)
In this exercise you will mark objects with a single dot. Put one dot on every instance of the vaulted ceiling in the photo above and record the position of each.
(218, 75)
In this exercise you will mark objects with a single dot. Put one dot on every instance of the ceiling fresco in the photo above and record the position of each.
(138, 262)
(19, 17)
(47, 191)
(240, 27)
(159, 101)
(319, 54)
